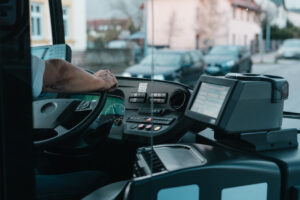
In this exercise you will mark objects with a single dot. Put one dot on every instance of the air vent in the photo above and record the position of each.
(178, 99)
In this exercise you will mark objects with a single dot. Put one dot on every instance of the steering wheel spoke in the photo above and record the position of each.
(49, 114)
(60, 130)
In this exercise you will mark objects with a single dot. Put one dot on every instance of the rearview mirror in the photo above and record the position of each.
(292, 5)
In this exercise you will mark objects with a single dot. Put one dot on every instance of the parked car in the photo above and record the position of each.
(173, 65)
(289, 49)
(126, 44)
(230, 58)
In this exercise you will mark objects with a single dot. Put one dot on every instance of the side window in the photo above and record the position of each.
(40, 24)
(187, 59)
(36, 21)
(243, 51)
(196, 57)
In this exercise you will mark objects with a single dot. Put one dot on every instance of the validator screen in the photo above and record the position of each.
(210, 99)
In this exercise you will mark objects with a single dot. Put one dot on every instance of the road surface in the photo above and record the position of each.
(290, 70)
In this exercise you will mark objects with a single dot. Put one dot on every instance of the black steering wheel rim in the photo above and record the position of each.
(75, 130)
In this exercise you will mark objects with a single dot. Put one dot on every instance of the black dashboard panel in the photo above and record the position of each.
(167, 100)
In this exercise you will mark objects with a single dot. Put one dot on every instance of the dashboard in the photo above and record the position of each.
(153, 110)
(142, 110)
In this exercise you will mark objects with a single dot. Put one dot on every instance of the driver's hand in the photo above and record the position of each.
(110, 82)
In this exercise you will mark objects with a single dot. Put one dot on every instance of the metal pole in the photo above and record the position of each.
(146, 27)
(57, 23)
(268, 36)
(261, 48)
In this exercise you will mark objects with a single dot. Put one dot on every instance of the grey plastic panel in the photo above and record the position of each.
(176, 157)
(45, 112)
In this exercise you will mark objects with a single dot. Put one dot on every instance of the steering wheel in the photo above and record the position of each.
(53, 122)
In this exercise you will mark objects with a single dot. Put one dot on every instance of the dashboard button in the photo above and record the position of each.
(149, 120)
(133, 100)
(164, 95)
(140, 100)
(141, 126)
(141, 95)
(133, 95)
(148, 127)
(157, 128)
(133, 126)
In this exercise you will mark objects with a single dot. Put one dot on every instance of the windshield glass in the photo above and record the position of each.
(224, 50)
(162, 59)
(200, 35)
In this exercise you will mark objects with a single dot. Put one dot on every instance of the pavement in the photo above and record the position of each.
(264, 58)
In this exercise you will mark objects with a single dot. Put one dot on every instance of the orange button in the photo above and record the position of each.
(157, 128)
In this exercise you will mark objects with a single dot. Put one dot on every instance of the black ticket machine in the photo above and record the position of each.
(246, 109)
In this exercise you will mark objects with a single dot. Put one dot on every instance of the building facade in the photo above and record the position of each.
(192, 24)
(74, 16)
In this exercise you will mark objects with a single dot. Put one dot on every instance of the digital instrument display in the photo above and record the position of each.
(113, 105)
(39, 52)
(58, 51)
(210, 99)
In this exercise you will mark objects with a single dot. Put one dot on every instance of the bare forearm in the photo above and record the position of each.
(61, 76)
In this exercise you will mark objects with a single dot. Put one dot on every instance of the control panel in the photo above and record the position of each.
(140, 123)
(153, 109)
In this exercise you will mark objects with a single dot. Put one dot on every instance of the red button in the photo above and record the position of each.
(141, 126)
(148, 127)
(149, 120)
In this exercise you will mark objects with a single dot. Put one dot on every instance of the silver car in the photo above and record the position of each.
(289, 49)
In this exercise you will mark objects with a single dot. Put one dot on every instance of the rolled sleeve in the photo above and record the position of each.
(37, 74)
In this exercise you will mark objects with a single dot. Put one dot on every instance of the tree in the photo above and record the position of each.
(172, 27)
(290, 31)
(131, 9)
(209, 21)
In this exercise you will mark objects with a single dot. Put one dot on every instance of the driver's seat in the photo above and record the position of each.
(68, 186)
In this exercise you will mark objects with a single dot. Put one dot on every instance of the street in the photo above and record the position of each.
(290, 70)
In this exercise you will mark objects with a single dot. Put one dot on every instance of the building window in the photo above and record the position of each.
(36, 21)
(233, 39)
(66, 22)
(118, 27)
(242, 14)
(234, 12)
(248, 15)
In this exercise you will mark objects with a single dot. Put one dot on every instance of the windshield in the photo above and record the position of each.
(162, 59)
(224, 50)
(173, 33)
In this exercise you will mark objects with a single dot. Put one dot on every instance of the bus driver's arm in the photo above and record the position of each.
(63, 77)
